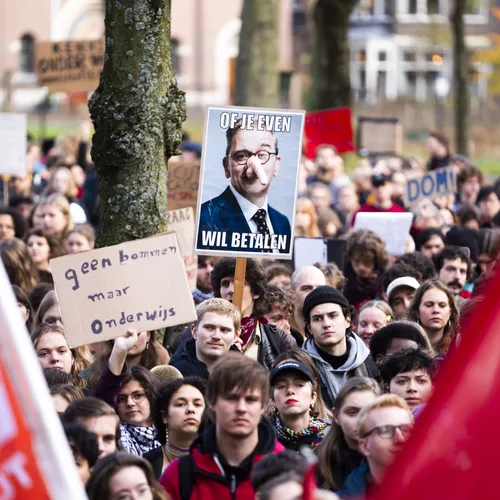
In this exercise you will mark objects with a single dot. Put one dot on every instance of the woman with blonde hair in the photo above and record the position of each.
(372, 316)
(55, 216)
(338, 454)
(53, 351)
(62, 182)
(49, 313)
(18, 263)
(306, 219)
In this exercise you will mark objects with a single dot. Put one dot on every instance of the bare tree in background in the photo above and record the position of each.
(330, 64)
(257, 66)
(137, 112)
(460, 77)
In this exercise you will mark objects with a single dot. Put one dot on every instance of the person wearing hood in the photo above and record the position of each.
(213, 335)
(338, 353)
(221, 460)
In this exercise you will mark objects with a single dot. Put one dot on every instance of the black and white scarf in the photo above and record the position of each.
(138, 440)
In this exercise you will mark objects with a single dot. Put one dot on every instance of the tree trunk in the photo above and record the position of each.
(330, 64)
(257, 66)
(461, 78)
(137, 112)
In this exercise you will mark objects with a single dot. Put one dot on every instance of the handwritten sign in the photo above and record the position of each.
(13, 143)
(183, 182)
(393, 228)
(182, 222)
(432, 184)
(140, 284)
(70, 66)
(330, 126)
(380, 135)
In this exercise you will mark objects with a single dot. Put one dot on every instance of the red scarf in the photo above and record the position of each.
(248, 325)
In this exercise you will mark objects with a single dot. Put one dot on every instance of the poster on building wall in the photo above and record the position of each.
(70, 66)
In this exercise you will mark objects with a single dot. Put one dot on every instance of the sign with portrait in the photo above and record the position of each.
(248, 182)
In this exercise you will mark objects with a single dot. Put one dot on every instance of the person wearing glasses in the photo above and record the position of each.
(383, 426)
(130, 389)
(242, 209)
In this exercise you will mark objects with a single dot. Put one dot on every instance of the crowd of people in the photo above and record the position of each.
(323, 364)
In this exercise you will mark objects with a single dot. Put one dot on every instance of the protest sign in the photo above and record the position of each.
(248, 182)
(183, 181)
(35, 459)
(182, 222)
(380, 136)
(70, 66)
(393, 228)
(308, 251)
(330, 126)
(140, 284)
(13, 143)
(430, 185)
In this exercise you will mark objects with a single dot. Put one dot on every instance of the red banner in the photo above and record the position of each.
(20, 477)
(331, 126)
(453, 452)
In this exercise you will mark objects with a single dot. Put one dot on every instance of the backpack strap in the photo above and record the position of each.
(187, 476)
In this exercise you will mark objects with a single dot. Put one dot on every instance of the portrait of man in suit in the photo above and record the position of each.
(241, 217)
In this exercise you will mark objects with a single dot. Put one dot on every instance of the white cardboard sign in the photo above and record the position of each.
(393, 228)
(140, 284)
(13, 143)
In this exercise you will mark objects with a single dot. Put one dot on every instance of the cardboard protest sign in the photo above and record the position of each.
(13, 143)
(330, 126)
(35, 459)
(430, 185)
(182, 222)
(70, 66)
(250, 164)
(183, 181)
(140, 284)
(380, 136)
(393, 228)
(308, 251)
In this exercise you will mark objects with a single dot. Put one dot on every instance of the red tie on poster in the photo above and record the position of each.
(20, 477)
(331, 126)
(453, 452)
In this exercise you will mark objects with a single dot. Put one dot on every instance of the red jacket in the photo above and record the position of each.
(213, 478)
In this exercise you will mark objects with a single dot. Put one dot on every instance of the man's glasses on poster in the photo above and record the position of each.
(241, 157)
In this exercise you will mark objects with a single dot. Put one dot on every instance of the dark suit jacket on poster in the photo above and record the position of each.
(224, 214)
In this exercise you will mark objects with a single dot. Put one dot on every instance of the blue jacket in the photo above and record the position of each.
(223, 214)
(355, 484)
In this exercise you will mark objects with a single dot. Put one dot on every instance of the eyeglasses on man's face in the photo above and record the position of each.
(241, 157)
(388, 431)
(137, 397)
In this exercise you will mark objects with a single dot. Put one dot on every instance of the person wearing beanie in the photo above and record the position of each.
(338, 353)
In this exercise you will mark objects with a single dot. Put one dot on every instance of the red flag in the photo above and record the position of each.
(453, 452)
(331, 126)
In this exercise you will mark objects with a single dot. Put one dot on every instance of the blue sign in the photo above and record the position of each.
(432, 184)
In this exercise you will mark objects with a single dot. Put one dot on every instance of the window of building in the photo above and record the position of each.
(382, 56)
(373, 8)
(176, 60)
(423, 7)
(477, 7)
(299, 20)
(27, 54)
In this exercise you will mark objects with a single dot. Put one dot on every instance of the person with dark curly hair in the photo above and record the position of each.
(12, 224)
(435, 309)
(429, 241)
(281, 308)
(177, 415)
(419, 263)
(366, 260)
(454, 269)
(409, 374)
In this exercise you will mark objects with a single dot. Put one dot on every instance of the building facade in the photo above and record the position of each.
(401, 48)
(205, 36)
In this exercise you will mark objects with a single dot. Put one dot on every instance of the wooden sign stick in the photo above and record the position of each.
(239, 282)
(5, 179)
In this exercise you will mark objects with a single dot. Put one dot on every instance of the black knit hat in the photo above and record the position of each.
(323, 295)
